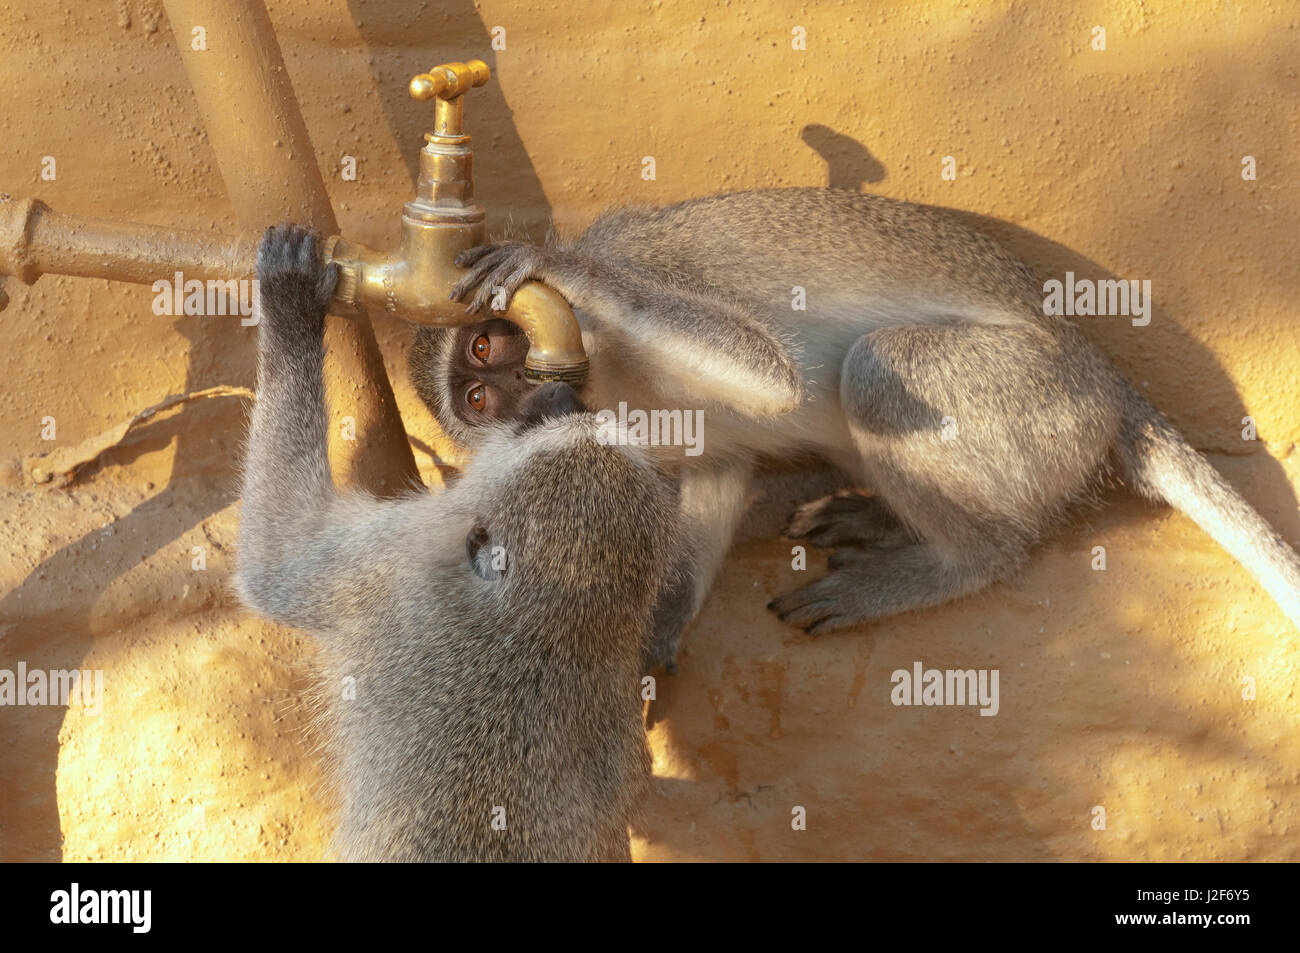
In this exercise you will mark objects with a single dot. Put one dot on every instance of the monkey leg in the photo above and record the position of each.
(975, 437)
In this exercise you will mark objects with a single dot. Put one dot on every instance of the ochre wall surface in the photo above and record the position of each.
(1121, 689)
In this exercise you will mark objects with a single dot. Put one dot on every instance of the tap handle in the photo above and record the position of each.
(448, 84)
(449, 80)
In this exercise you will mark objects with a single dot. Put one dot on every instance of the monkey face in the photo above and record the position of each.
(486, 376)
(471, 378)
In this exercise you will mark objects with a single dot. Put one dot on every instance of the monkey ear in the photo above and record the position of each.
(485, 560)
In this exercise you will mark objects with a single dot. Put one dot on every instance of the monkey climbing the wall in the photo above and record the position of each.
(494, 634)
(923, 365)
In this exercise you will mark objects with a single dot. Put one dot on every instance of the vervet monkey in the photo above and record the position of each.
(923, 365)
(481, 648)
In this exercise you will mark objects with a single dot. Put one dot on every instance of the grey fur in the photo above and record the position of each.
(912, 320)
(475, 689)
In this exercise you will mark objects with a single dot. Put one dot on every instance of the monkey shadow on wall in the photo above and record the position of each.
(849, 164)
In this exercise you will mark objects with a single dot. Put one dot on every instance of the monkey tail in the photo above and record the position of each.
(1162, 465)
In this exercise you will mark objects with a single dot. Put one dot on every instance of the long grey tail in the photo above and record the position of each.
(1163, 466)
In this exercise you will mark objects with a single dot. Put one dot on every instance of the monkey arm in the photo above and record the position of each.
(288, 434)
(293, 540)
(710, 346)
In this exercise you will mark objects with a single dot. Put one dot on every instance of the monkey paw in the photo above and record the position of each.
(877, 581)
(821, 606)
(662, 652)
(673, 613)
(294, 284)
(499, 267)
(845, 518)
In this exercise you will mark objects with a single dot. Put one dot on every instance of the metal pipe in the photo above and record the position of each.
(36, 240)
(266, 159)
(410, 280)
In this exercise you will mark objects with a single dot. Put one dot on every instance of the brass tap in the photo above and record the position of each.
(413, 280)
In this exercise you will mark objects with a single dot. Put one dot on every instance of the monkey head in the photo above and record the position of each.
(552, 506)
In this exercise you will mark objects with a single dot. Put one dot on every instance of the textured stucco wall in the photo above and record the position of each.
(1120, 689)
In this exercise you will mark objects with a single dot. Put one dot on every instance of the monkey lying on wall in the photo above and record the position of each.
(924, 366)
(496, 632)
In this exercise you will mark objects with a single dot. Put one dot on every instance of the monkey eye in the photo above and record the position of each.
(482, 347)
(476, 397)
